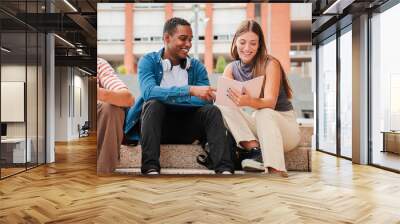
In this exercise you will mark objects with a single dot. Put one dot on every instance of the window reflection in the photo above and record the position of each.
(346, 94)
(385, 84)
(13, 85)
(327, 97)
(22, 89)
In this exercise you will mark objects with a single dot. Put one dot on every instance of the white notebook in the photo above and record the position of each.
(253, 86)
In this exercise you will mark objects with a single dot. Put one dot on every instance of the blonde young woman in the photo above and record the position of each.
(269, 129)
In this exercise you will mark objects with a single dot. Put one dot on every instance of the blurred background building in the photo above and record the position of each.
(128, 31)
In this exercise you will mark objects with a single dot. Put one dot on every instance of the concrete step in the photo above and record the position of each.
(176, 171)
(188, 172)
(184, 156)
(306, 133)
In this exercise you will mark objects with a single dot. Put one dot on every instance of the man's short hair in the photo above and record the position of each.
(171, 24)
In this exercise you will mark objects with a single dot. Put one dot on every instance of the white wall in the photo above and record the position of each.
(61, 103)
(80, 110)
(301, 11)
(33, 126)
(148, 22)
(14, 73)
(71, 94)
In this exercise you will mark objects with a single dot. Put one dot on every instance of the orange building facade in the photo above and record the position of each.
(273, 18)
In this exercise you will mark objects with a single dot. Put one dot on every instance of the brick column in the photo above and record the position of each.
(208, 39)
(280, 33)
(250, 9)
(168, 11)
(128, 57)
(275, 22)
(264, 21)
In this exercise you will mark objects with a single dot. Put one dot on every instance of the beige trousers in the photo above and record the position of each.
(110, 122)
(276, 131)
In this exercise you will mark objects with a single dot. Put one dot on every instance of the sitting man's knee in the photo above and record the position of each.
(213, 115)
(211, 108)
(154, 104)
(109, 109)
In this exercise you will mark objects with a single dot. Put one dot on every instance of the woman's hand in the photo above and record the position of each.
(240, 99)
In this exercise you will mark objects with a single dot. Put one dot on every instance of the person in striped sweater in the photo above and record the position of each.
(113, 97)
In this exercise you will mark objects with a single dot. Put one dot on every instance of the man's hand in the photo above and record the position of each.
(101, 92)
(203, 92)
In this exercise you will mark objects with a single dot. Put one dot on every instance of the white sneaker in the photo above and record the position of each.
(226, 173)
(252, 165)
(152, 172)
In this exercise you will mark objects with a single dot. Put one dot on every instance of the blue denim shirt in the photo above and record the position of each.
(150, 73)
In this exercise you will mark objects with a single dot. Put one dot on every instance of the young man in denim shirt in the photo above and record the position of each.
(175, 104)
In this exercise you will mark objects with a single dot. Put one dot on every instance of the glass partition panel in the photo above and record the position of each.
(31, 98)
(41, 98)
(14, 154)
(327, 96)
(22, 67)
(346, 94)
(385, 88)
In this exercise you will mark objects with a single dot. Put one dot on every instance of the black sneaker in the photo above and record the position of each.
(243, 153)
(253, 161)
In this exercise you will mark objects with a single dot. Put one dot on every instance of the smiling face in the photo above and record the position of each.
(247, 46)
(179, 42)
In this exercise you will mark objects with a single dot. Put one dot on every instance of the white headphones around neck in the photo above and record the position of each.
(167, 65)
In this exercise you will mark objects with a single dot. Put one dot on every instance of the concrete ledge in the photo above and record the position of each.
(184, 156)
(306, 133)
(173, 171)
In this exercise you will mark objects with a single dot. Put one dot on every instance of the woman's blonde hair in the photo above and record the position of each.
(261, 58)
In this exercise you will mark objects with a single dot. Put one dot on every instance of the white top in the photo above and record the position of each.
(106, 76)
(176, 77)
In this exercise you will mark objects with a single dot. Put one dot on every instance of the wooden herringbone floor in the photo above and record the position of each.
(70, 192)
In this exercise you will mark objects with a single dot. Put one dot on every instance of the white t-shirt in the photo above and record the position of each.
(176, 77)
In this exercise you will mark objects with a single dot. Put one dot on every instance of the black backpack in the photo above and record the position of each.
(205, 160)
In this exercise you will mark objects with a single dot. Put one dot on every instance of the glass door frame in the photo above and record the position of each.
(387, 5)
(337, 34)
(30, 29)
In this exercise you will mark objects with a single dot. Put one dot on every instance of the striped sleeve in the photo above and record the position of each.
(106, 77)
